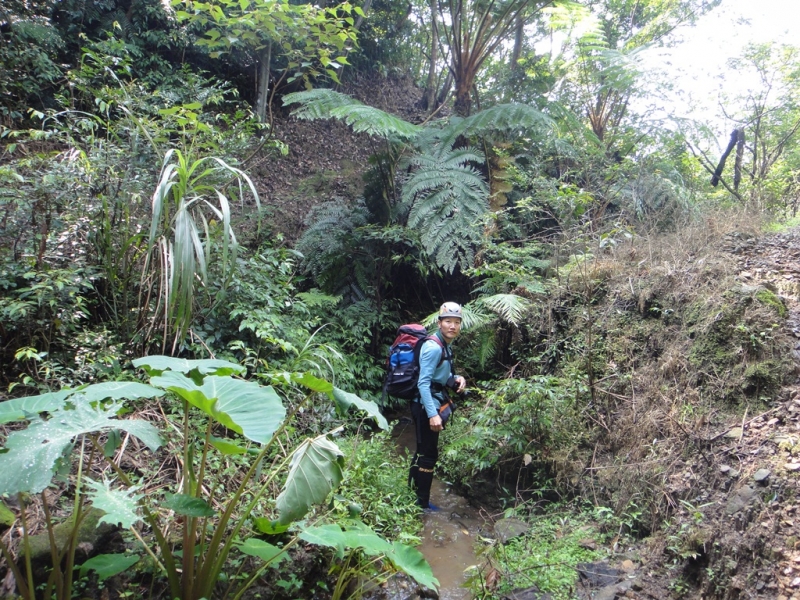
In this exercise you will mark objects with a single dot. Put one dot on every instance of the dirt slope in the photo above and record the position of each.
(734, 490)
(326, 160)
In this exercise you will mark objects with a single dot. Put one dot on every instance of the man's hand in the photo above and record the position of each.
(436, 423)
(461, 384)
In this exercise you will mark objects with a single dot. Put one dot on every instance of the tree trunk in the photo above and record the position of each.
(717, 175)
(737, 166)
(445, 89)
(518, 37)
(463, 104)
(430, 90)
(262, 97)
(364, 9)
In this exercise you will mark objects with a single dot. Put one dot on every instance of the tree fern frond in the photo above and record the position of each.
(328, 104)
(315, 298)
(503, 117)
(485, 346)
(447, 196)
(324, 245)
(509, 307)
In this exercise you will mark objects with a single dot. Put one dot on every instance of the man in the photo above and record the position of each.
(435, 369)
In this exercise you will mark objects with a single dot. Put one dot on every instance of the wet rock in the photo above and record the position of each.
(740, 499)
(612, 591)
(506, 529)
(424, 592)
(761, 476)
(599, 574)
(531, 593)
(735, 433)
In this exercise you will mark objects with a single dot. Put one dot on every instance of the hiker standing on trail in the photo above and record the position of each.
(435, 373)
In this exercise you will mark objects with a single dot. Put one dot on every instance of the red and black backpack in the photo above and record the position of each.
(402, 363)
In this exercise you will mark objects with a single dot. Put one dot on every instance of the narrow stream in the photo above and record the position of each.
(448, 535)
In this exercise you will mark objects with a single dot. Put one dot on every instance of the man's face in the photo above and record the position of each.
(449, 327)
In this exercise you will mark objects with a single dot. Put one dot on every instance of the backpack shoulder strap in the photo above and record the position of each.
(445, 354)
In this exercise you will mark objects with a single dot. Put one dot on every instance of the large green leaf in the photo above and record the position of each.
(343, 400)
(190, 506)
(411, 562)
(316, 469)
(360, 536)
(20, 409)
(108, 565)
(118, 390)
(32, 453)
(227, 447)
(354, 536)
(263, 550)
(6, 516)
(246, 407)
(155, 365)
(24, 408)
(330, 536)
(120, 506)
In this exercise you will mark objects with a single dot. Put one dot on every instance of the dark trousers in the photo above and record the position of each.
(421, 473)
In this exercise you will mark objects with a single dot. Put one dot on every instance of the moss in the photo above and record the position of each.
(763, 376)
(88, 532)
(768, 298)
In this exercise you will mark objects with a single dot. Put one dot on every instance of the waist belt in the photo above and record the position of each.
(436, 388)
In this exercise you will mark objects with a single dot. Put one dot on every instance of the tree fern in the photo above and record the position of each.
(509, 307)
(327, 104)
(328, 246)
(448, 197)
(505, 118)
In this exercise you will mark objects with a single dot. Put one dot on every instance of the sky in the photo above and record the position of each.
(697, 65)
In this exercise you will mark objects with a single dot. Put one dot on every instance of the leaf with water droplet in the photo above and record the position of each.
(33, 453)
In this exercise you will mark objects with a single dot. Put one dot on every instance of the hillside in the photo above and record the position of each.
(326, 160)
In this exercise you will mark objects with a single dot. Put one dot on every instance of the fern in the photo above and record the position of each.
(327, 104)
(500, 118)
(509, 307)
(334, 250)
(448, 197)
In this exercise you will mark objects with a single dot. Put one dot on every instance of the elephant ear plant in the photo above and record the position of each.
(194, 562)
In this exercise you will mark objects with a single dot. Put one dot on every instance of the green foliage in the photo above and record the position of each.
(308, 42)
(29, 58)
(329, 104)
(375, 486)
(508, 119)
(546, 556)
(192, 569)
(519, 417)
(357, 536)
(448, 198)
(178, 253)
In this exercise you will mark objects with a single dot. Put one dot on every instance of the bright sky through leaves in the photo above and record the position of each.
(697, 63)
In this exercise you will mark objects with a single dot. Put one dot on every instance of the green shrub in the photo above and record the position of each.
(375, 484)
(519, 417)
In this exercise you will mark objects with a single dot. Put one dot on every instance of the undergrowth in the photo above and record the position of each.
(546, 556)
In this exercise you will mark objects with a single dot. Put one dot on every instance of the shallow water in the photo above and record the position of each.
(449, 535)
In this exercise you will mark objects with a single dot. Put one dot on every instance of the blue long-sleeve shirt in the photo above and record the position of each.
(431, 371)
